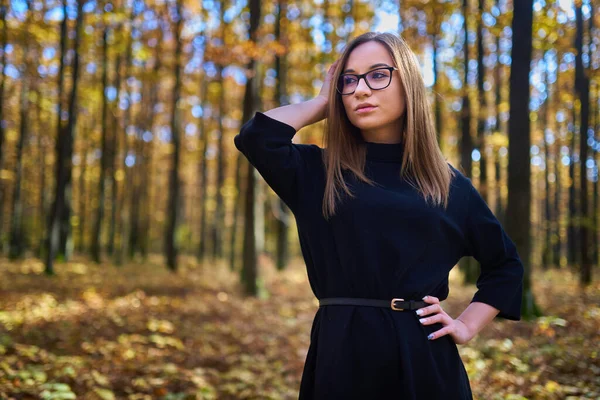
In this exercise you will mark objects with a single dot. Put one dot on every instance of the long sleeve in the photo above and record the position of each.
(267, 144)
(500, 283)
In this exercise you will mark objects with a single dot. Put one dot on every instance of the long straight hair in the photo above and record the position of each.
(423, 164)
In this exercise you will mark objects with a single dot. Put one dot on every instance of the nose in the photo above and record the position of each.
(362, 86)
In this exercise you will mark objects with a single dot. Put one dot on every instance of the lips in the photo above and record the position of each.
(365, 109)
(364, 105)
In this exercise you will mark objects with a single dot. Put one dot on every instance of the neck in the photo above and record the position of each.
(390, 133)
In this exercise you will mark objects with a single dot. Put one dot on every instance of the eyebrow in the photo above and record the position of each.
(371, 67)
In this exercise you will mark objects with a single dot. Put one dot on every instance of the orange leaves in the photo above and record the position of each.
(141, 332)
(242, 53)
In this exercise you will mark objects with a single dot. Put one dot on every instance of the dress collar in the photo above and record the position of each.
(390, 152)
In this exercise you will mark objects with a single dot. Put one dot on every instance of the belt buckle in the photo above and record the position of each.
(396, 308)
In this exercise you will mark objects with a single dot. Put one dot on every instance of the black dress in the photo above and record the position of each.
(385, 243)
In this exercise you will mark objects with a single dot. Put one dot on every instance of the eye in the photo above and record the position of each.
(379, 75)
(348, 79)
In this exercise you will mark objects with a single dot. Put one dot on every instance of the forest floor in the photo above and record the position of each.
(141, 332)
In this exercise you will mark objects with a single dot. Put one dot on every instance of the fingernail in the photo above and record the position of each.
(424, 298)
(430, 336)
(419, 312)
(422, 320)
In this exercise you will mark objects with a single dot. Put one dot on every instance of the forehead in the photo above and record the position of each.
(365, 55)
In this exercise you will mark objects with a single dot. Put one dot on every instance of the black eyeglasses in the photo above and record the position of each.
(376, 79)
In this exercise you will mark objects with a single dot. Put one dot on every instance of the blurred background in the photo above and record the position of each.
(130, 264)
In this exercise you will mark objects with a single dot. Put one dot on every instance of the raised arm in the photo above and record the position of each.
(307, 113)
(266, 141)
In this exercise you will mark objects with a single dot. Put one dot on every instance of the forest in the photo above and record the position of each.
(143, 257)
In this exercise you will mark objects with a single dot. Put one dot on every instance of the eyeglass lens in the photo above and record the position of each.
(376, 79)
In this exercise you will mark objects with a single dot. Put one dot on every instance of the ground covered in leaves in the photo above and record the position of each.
(141, 332)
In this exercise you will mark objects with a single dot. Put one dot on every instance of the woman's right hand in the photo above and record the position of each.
(323, 95)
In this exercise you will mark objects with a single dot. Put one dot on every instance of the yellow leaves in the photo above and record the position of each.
(222, 296)
(162, 326)
(31, 266)
(91, 297)
(552, 386)
(533, 116)
(104, 394)
(546, 325)
(55, 391)
(120, 175)
(165, 341)
(6, 175)
(99, 378)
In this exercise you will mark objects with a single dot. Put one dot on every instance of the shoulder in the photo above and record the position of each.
(309, 151)
(460, 182)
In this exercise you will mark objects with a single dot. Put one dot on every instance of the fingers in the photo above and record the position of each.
(431, 300)
(442, 332)
(429, 310)
(441, 318)
(332, 67)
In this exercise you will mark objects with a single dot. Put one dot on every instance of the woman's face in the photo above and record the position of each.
(382, 122)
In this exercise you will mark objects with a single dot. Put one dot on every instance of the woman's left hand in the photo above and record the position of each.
(459, 332)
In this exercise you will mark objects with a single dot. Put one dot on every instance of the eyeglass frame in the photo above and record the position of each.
(364, 77)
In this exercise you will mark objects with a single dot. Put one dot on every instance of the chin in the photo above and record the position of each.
(365, 125)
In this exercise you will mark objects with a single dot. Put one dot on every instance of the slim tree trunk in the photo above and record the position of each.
(596, 156)
(582, 86)
(218, 226)
(203, 170)
(64, 144)
(174, 184)
(282, 214)
(104, 160)
(3, 42)
(82, 190)
(17, 239)
(482, 113)
(130, 171)
(436, 84)
(518, 226)
(115, 205)
(558, 242)
(249, 272)
(573, 237)
(467, 265)
(544, 119)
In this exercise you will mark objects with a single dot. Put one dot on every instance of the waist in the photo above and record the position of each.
(395, 304)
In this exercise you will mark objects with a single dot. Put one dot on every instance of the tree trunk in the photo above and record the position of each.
(82, 190)
(467, 265)
(582, 87)
(64, 143)
(174, 184)
(4, 41)
(573, 237)
(482, 110)
(556, 223)
(129, 188)
(547, 246)
(115, 205)
(104, 160)
(218, 226)
(17, 239)
(203, 170)
(249, 273)
(282, 215)
(518, 210)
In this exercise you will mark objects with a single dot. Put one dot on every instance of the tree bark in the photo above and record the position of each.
(518, 210)
(174, 184)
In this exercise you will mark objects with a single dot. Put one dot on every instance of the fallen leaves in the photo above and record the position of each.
(141, 332)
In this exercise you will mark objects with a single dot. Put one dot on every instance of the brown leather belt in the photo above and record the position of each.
(394, 304)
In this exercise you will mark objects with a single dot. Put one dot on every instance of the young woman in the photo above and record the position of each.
(382, 219)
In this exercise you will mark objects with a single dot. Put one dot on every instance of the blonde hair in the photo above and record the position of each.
(423, 164)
